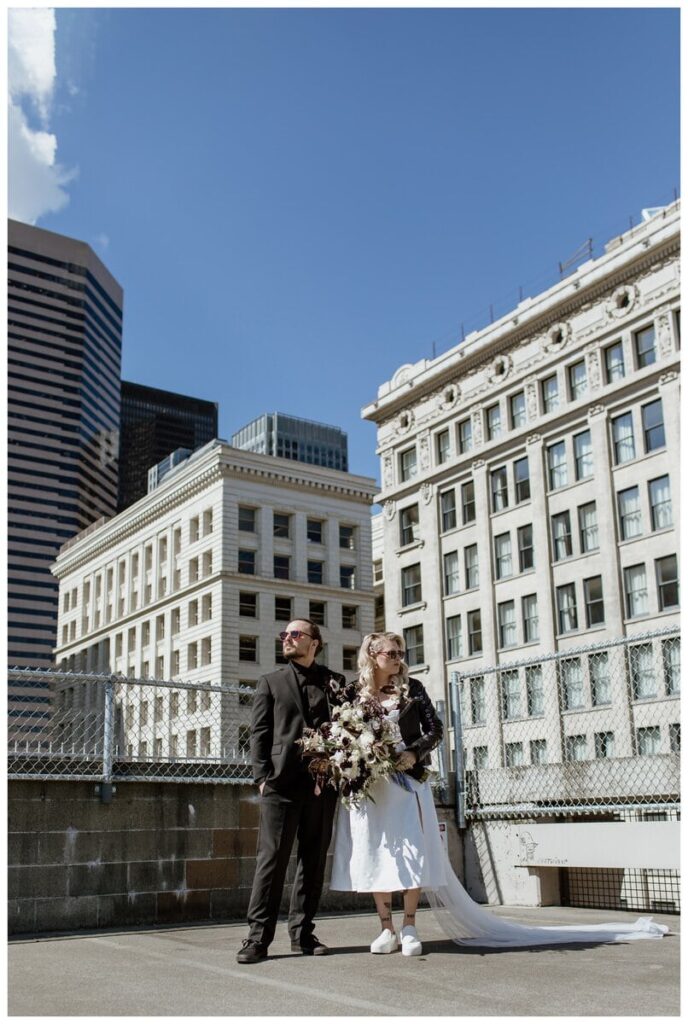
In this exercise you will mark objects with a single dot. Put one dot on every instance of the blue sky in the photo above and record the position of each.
(298, 202)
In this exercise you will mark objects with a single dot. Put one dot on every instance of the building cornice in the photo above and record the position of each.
(221, 462)
(592, 281)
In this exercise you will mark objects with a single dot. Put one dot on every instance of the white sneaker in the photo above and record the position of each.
(410, 943)
(386, 942)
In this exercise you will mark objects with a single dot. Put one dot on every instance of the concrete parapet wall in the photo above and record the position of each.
(158, 853)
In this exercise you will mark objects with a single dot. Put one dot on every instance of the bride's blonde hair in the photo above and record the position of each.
(372, 645)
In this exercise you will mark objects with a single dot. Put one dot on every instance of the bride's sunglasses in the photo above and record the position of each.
(394, 655)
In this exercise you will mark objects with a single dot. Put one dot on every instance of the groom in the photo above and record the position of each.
(286, 701)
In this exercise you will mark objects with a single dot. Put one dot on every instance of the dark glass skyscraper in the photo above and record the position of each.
(153, 424)
(64, 349)
(290, 437)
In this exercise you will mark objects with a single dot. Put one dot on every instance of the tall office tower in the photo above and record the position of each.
(65, 337)
(154, 424)
(289, 437)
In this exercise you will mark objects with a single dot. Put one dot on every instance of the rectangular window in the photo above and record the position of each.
(160, 627)
(471, 563)
(480, 759)
(561, 536)
(248, 604)
(534, 691)
(550, 394)
(578, 380)
(314, 531)
(594, 601)
(407, 464)
(248, 648)
(604, 744)
(511, 695)
(475, 634)
(531, 623)
(506, 614)
(525, 548)
(192, 656)
(410, 585)
(502, 545)
(207, 563)
(521, 480)
(451, 573)
(600, 682)
(193, 576)
(582, 449)
(643, 675)
(316, 612)
(283, 609)
(408, 524)
(556, 465)
(349, 658)
(378, 571)
(666, 570)
(194, 530)
(500, 493)
(315, 571)
(630, 517)
(671, 661)
(566, 608)
(281, 524)
(645, 351)
(513, 754)
(587, 527)
(660, 503)
(280, 567)
(413, 642)
(517, 407)
(349, 616)
(648, 740)
(454, 646)
(465, 436)
(635, 587)
(442, 446)
(206, 651)
(247, 563)
(207, 522)
(347, 537)
(653, 426)
(675, 737)
(478, 707)
(468, 502)
(448, 510)
(347, 577)
(493, 420)
(538, 751)
(614, 362)
(572, 688)
(622, 437)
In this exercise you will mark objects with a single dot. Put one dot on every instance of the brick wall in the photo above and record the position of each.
(158, 853)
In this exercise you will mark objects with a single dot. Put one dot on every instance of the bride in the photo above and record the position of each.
(391, 841)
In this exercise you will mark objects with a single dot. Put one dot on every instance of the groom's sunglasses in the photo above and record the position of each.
(294, 634)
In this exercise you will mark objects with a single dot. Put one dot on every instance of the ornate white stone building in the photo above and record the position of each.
(195, 580)
(530, 475)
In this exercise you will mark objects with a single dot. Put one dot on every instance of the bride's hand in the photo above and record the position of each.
(406, 759)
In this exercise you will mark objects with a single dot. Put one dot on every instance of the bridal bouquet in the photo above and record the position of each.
(352, 751)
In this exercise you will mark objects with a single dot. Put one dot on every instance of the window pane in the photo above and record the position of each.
(410, 585)
(408, 520)
(571, 674)
(635, 584)
(660, 503)
(507, 624)
(582, 446)
(500, 498)
(653, 426)
(667, 582)
(578, 380)
(550, 394)
(622, 434)
(465, 436)
(598, 667)
(468, 502)
(443, 446)
(671, 658)
(525, 548)
(594, 601)
(511, 694)
(561, 536)
(451, 573)
(471, 561)
(566, 607)
(475, 636)
(408, 464)
(494, 422)
(556, 460)
(522, 479)
(518, 409)
(614, 362)
(643, 676)
(454, 647)
(630, 519)
(502, 555)
(536, 699)
(645, 347)
(531, 628)
(587, 522)
(477, 700)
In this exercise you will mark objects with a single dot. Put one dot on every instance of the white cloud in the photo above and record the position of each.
(36, 180)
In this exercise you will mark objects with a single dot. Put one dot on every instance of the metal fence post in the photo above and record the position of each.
(108, 739)
(458, 750)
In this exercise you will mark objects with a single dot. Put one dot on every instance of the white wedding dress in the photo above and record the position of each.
(392, 842)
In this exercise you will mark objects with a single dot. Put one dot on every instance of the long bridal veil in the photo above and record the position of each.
(470, 924)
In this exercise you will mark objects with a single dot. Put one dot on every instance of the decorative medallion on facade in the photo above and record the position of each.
(622, 301)
(596, 410)
(403, 375)
(557, 337)
(448, 397)
(389, 508)
(405, 421)
(667, 378)
(499, 368)
(426, 493)
(534, 438)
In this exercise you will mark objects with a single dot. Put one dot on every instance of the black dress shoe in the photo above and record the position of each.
(310, 946)
(251, 952)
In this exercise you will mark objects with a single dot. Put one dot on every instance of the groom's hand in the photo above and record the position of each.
(406, 759)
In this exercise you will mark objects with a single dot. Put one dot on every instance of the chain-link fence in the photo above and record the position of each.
(593, 729)
(108, 727)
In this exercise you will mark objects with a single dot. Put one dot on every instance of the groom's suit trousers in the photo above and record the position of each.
(285, 817)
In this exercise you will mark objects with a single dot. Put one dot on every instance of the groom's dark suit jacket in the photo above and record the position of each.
(279, 718)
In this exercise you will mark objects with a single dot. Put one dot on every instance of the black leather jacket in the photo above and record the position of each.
(420, 726)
